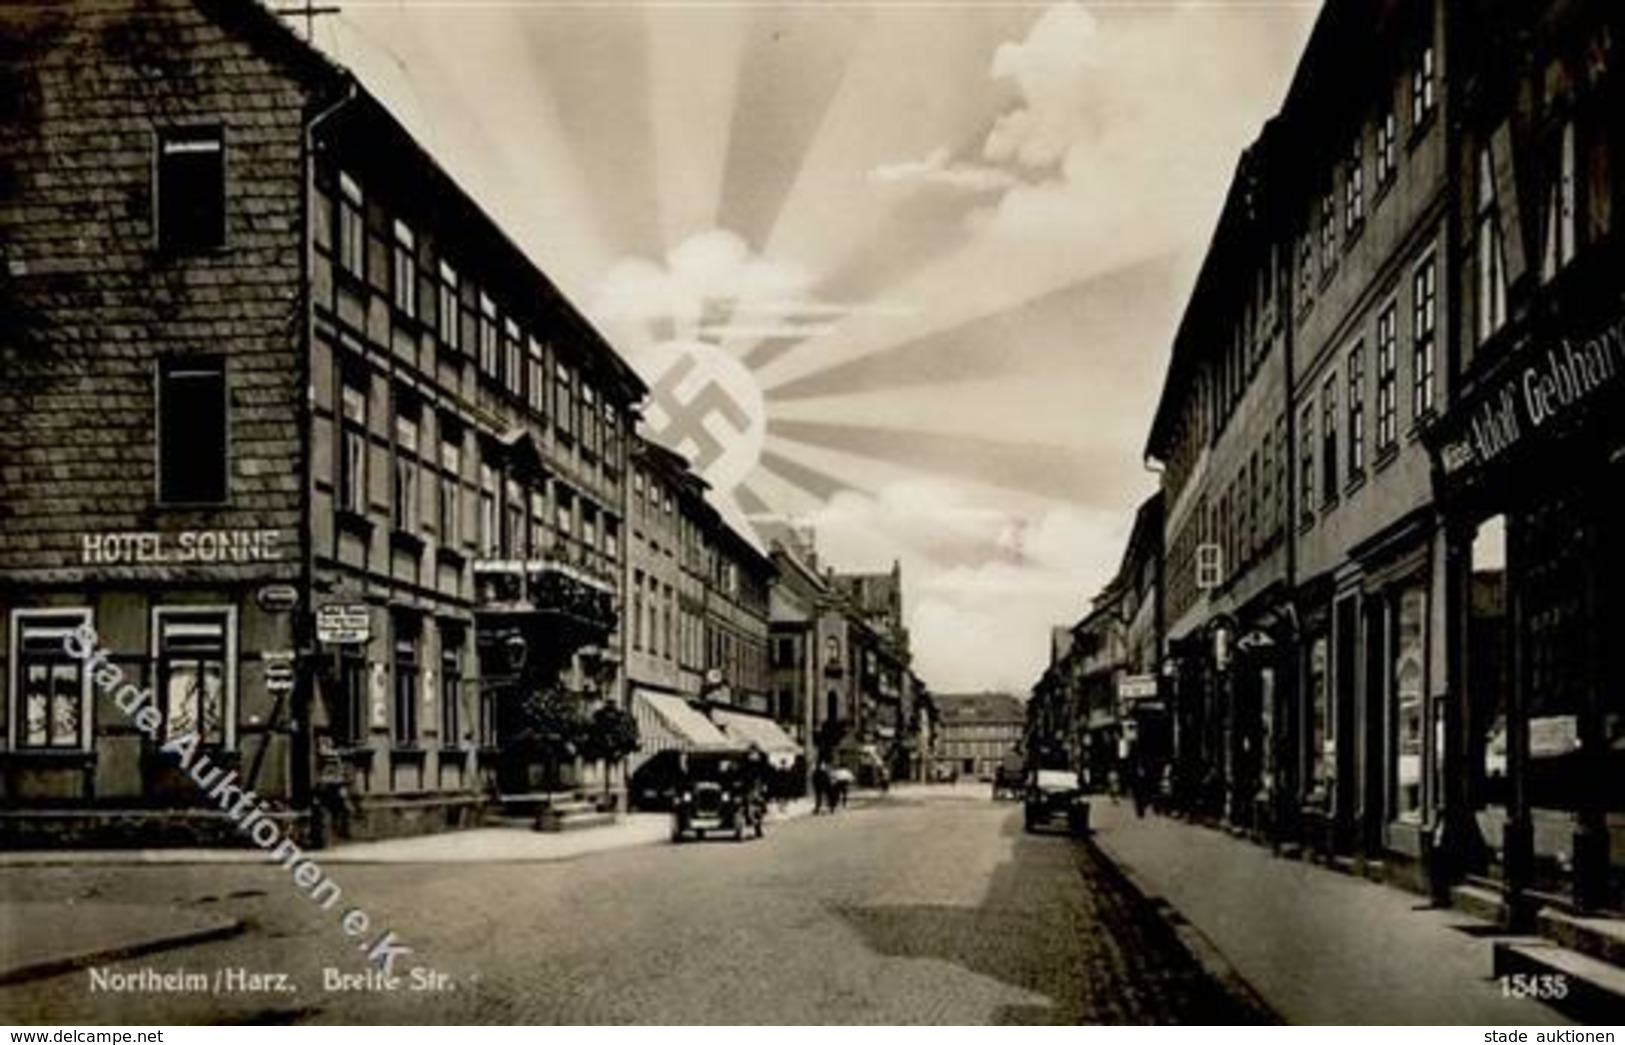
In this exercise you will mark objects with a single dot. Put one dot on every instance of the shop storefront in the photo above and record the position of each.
(1528, 469)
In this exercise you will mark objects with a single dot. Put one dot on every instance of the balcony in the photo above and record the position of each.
(549, 587)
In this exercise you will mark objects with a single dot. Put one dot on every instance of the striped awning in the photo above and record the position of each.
(668, 723)
(780, 748)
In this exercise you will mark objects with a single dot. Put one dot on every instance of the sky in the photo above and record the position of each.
(902, 274)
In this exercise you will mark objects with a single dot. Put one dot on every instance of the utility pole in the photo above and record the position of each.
(309, 12)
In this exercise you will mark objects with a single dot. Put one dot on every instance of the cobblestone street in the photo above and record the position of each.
(919, 910)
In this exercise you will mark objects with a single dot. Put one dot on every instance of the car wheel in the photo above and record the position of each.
(699, 834)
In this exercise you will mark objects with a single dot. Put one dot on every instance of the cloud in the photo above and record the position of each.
(936, 169)
(710, 274)
(1053, 69)
(1119, 122)
(712, 287)
(985, 575)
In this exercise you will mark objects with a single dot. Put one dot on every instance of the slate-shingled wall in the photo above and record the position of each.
(88, 302)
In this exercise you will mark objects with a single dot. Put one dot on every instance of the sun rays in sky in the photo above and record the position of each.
(936, 251)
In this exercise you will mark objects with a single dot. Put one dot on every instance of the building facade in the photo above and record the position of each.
(976, 732)
(1526, 460)
(330, 467)
(1387, 632)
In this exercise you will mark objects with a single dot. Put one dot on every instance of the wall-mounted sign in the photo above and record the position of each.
(1545, 388)
(187, 546)
(1137, 687)
(277, 598)
(278, 671)
(347, 623)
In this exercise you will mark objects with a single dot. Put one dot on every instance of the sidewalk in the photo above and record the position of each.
(476, 845)
(1318, 946)
(45, 939)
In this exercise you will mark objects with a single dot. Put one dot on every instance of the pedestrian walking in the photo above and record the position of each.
(821, 792)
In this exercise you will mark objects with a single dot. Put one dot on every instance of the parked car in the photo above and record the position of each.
(1055, 795)
(720, 790)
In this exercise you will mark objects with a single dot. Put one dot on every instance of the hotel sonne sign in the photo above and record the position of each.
(138, 548)
(1541, 390)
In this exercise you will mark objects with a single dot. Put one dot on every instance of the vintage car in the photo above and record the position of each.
(1007, 777)
(1055, 795)
(721, 791)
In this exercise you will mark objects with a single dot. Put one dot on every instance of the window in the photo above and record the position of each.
(1250, 508)
(538, 524)
(1491, 256)
(612, 434)
(1424, 324)
(404, 271)
(352, 228)
(488, 716)
(563, 406)
(665, 623)
(1560, 219)
(449, 312)
(536, 378)
(565, 512)
(488, 509)
(1328, 439)
(406, 471)
(513, 365)
(513, 521)
(1283, 471)
(590, 419)
(612, 537)
(1306, 464)
(1306, 269)
(1266, 488)
(1424, 87)
(350, 725)
(1322, 738)
(196, 681)
(451, 470)
(1354, 188)
(1387, 366)
(1328, 230)
(589, 526)
(407, 630)
(451, 688)
(1387, 146)
(192, 448)
(1356, 436)
(51, 703)
(488, 337)
(637, 609)
(353, 454)
(191, 195)
(1409, 685)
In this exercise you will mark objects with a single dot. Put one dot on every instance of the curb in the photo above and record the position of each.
(49, 967)
(1202, 950)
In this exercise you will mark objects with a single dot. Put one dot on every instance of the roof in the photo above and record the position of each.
(965, 708)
